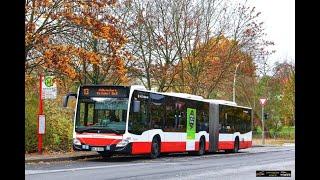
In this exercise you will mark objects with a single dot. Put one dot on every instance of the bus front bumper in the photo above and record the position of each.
(108, 149)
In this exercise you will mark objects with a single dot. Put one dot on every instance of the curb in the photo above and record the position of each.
(67, 158)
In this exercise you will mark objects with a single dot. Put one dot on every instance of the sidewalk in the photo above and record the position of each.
(35, 157)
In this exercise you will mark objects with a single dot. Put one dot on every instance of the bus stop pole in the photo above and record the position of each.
(40, 113)
(262, 124)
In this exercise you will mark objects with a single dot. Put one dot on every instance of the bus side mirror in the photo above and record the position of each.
(66, 98)
(136, 106)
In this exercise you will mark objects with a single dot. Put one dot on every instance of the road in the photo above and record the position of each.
(242, 165)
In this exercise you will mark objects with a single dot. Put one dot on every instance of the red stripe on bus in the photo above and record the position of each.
(245, 144)
(145, 147)
(141, 147)
(99, 141)
(230, 144)
(197, 146)
(225, 145)
(173, 146)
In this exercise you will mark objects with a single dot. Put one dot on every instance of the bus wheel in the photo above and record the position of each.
(201, 147)
(155, 148)
(236, 145)
(105, 154)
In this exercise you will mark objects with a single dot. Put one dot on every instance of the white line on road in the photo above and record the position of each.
(31, 172)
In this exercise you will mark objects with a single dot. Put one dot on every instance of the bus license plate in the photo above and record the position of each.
(97, 149)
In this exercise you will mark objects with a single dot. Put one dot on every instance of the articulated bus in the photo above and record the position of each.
(133, 120)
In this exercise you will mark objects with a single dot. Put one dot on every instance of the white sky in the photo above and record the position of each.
(279, 24)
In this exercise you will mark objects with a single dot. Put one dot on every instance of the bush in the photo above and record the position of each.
(31, 105)
(288, 132)
(59, 124)
(284, 132)
(259, 130)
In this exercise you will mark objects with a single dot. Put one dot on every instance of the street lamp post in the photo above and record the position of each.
(234, 82)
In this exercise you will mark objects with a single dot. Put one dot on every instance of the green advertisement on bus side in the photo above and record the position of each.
(191, 123)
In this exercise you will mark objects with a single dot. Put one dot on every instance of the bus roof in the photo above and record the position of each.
(218, 101)
(101, 85)
(224, 102)
(182, 95)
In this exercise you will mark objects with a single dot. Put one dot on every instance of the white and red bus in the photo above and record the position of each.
(133, 120)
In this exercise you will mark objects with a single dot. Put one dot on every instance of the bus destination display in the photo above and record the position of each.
(119, 92)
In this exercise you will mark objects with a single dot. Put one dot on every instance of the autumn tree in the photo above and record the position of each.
(284, 76)
(279, 89)
(75, 39)
(207, 71)
(170, 38)
(162, 33)
(150, 39)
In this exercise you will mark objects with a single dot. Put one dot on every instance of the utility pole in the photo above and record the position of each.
(234, 82)
(262, 115)
(262, 102)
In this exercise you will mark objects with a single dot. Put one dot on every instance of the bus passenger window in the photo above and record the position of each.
(157, 110)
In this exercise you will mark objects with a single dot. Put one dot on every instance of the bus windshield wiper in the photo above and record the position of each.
(87, 129)
(81, 130)
(112, 130)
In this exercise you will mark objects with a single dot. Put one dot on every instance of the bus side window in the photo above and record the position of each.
(180, 107)
(172, 119)
(157, 110)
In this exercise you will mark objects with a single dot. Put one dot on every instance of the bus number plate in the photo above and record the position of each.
(97, 149)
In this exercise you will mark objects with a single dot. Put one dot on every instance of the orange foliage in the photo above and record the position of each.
(47, 19)
(212, 64)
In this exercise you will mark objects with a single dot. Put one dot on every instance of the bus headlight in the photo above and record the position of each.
(76, 142)
(124, 142)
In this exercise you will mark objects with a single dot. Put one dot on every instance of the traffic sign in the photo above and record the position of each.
(263, 101)
(49, 87)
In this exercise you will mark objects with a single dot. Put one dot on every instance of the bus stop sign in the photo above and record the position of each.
(263, 101)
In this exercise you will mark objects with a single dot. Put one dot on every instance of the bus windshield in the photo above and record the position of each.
(101, 115)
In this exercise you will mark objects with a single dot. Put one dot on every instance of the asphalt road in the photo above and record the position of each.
(242, 165)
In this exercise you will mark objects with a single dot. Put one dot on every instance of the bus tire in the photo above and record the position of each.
(155, 148)
(236, 145)
(202, 146)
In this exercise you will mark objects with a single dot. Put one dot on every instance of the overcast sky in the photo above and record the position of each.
(279, 19)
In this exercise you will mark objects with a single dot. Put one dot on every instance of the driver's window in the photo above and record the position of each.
(86, 113)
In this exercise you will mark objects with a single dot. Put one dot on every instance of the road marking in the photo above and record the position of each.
(31, 172)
